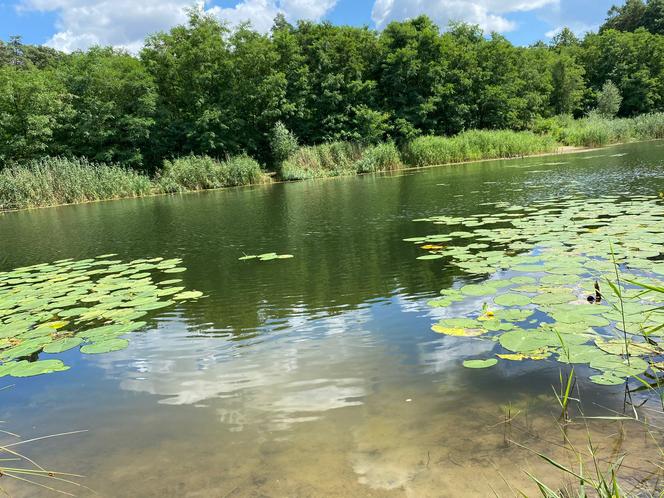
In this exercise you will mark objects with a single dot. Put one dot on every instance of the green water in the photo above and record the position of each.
(312, 376)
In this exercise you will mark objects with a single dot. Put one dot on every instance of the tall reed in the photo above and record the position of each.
(475, 145)
(53, 181)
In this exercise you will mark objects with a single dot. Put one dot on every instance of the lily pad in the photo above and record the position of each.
(105, 346)
(512, 300)
(480, 363)
(30, 369)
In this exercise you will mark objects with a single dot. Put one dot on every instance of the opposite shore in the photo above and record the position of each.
(51, 182)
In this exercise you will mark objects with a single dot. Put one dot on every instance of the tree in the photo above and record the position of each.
(282, 143)
(633, 62)
(609, 100)
(191, 66)
(113, 107)
(635, 14)
(34, 105)
(568, 84)
(412, 76)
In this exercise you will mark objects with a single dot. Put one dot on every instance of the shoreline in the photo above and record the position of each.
(562, 150)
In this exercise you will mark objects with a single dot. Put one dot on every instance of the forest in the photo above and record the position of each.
(207, 89)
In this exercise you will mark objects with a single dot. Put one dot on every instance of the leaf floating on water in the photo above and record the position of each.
(480, 363)
(30, 369)
(53, 308)
(63, 345)
(175, 270)
(512, 300)
(188, 295)
(431, 257)
(607, 380)
(107, 346)
(458, 332)
(268, 256)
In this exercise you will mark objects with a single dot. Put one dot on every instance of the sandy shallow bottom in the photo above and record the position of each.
(383, 448)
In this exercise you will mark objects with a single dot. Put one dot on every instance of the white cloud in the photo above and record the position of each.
(261, 13)
(579, 29)
(125, 23)
(489, 14)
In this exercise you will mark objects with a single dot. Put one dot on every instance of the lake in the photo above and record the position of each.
(318, 375)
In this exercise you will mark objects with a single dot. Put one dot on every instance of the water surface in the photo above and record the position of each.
(317, 375)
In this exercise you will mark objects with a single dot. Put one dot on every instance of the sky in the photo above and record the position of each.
(78, 24)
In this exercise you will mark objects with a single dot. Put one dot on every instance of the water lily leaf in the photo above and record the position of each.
(523, 280)
(30, 369)
(188, 295)
(62, 345)
(458, 332)
(175, 270)
(105, 346)
(431, 257)
(171, 281)
(480, 363)
(248, 257)
(540, 354)
(477, 290)
(607, 380)
(526, 341)
(617, 347)
(512, 300)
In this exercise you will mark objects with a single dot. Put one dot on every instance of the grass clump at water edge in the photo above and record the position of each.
(53, 181)
(338, 159)
(204, 172)
(475, 145)
(597, 131)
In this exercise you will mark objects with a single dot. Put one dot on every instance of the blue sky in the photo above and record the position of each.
(73, 24)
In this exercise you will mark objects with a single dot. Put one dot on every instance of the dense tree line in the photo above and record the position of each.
(204, 88)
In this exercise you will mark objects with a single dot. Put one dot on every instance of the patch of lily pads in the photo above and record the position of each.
(93, 305)
(268, 256)
(546, 272)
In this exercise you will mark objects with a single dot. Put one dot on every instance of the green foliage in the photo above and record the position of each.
(329, 159)
(113, 108)
(474, 145)
(632, 61)
(635, 14)
(568, 85)
(283, 143)
(609, 100)
(34, 107)
(596, 130)
(382, 157)
(54, 181)
(205, 88)
(204, 172)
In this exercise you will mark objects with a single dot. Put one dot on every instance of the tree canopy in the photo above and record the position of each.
(205, 88)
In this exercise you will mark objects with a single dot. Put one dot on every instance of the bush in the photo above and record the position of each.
(53, 181)
(475, 145)
(329, 159)
(648, 126)
(340, 158)
(283, 143)
(203, 172)
(609, 100)
(382, 157)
